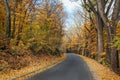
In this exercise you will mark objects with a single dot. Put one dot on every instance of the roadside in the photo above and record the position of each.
(99, 71)
(39, 63)
(72, 68)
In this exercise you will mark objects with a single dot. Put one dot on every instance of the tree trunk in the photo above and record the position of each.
(111, 28)
(112, 55)
(14, 19)
(108, 50)
(8, 20)
(19, 28)
(114, 59)
(19, 35)
(100, 36)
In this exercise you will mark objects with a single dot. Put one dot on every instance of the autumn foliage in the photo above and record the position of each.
(96, 32)
(29, 27)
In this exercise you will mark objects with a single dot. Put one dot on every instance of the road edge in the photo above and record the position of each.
(34, 72)
(93, 73)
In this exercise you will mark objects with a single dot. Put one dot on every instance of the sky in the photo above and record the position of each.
(71, 7)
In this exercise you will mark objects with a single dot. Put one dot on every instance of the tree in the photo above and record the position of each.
(110, 24)
(14, 18)
(8, 20)
(90, 6)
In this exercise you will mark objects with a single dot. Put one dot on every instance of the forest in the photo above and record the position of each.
(97, 35)
(29, 27)
(33, 29)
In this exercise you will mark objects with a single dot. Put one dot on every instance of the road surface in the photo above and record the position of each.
(73, 68)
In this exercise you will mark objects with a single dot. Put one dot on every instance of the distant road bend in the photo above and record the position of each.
(73, 68)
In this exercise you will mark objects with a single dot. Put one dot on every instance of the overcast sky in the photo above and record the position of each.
(70, 7)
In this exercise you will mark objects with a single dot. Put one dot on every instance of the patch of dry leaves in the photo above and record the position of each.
(36, 63)
(102, 71)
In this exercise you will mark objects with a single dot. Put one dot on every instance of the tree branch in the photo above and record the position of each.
(92, 7)
(109, 7)
(102, 14)
(116, 11)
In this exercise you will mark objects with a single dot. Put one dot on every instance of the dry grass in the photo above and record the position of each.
(36, 63)
(103, 72)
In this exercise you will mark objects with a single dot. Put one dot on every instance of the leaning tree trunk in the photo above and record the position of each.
(8, 22)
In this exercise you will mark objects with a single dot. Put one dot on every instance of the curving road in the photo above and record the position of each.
(73, 68)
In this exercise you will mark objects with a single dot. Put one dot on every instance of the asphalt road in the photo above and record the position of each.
(73, 68)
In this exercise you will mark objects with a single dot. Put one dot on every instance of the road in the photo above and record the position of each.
(73, 68)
